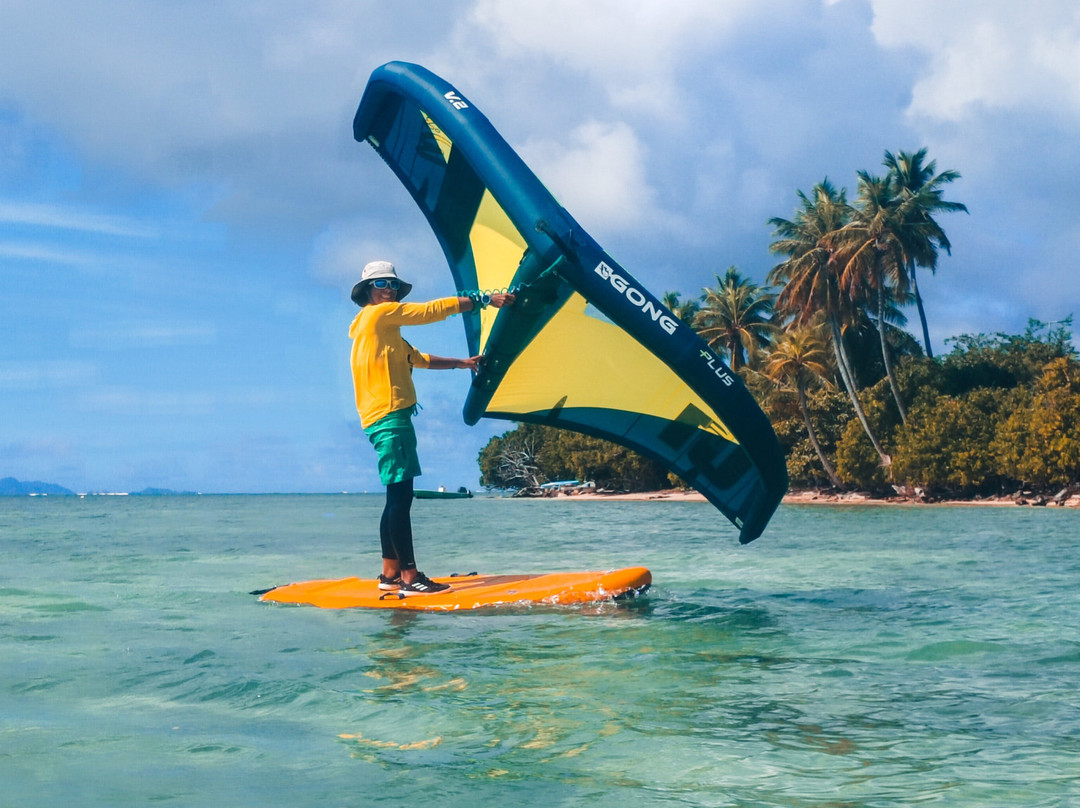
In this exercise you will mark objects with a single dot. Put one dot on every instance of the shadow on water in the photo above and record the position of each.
(700, 607)
(870, 600)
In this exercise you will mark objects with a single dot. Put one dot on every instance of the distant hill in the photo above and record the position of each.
(10, 487)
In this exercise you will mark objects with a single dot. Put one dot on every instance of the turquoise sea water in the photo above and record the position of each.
(851, 657)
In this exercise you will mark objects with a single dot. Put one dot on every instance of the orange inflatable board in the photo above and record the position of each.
(470, 591)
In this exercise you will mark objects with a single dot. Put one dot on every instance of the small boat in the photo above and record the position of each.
(442, 493)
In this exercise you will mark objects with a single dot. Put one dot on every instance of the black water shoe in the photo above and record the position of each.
(389, 584)
(421, 586)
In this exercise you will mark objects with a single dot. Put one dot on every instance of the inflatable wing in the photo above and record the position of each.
(586, 346)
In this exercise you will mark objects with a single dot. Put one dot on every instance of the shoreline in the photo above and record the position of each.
(815, 497)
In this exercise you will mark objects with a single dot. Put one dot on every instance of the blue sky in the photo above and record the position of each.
(183, 209)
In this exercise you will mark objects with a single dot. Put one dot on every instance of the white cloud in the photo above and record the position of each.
(121, 336)
(633, 49)
(54, 216)
(43, 254)
(133, 401)
(246, 107)
(341, 251)
(45, 375)
(611, 39)
(598, 172)
(170, 76)
(987, 54)
(128, 402)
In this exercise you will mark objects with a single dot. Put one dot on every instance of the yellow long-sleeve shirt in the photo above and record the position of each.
(382, 361)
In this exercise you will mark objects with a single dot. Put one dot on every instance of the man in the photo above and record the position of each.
(382, 364)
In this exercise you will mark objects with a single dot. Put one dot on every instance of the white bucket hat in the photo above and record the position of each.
(374, 271)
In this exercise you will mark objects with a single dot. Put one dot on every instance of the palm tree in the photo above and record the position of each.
(919, 193)
(811, 284)
(869, 255)
(735, 316)
(862, 337)
(799, 359)
(684, 310)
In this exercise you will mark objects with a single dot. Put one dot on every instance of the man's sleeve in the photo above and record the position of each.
(420, 313)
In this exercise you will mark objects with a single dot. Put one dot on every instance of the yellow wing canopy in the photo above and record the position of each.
(585, 347)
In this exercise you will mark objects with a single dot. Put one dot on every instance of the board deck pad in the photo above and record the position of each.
(471, 591)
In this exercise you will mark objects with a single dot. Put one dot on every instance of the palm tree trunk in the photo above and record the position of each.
(833, 478)
(849, 382)
(843, 363)
(922, 312)
(886, 355)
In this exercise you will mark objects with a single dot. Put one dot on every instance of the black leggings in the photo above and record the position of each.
(395, 529)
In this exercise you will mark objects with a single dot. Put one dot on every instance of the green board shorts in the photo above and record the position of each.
(394, 440)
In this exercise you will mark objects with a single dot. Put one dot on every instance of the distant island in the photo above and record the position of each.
(10, 487)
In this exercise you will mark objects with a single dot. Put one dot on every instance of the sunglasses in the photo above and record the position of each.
(382, 283)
